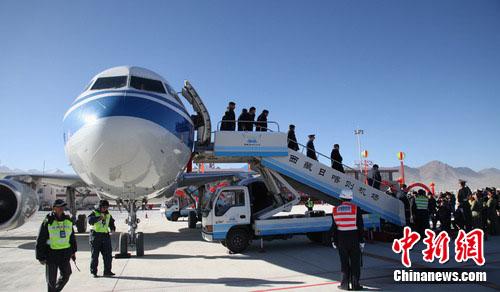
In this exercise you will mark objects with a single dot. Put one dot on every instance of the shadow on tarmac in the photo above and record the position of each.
(151, 240)
(232, 282)
(18, 238)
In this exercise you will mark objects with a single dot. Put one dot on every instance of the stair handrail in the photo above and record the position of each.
(332, 160)
(255, 123)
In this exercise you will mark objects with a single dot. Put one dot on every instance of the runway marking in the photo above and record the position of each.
(298, 287)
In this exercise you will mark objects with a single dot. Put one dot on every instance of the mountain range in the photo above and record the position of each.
(446, 177)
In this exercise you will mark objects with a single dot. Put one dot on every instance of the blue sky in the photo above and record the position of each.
(418, 76)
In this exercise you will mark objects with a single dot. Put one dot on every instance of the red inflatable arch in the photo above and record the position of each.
(417, 184)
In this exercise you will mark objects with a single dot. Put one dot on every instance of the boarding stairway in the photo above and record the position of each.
(268, 153)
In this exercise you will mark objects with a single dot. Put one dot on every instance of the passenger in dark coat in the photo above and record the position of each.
(432, 208)
(476, 207)
(261, 125)
(251, 118)
(402, 196)
(444, 215)
(376, 178)
(292, 140)
(243, 120)
(311, 152)
(336, 158)
(491, 213)
(229, 118)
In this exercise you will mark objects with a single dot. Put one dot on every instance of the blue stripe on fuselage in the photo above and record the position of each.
(130, 106)
(156, 96)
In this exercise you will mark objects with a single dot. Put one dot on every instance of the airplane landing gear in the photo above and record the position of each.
(131, 238)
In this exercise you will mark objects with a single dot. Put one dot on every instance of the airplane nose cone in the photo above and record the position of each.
(125, 155)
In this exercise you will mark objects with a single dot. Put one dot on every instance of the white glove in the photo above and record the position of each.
(362, 246)
(333, 245)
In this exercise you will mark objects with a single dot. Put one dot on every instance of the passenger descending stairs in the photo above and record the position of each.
(303, 173)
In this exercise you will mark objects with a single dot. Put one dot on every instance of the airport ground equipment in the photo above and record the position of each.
(178, 207)
(268, 151)
(236, 215)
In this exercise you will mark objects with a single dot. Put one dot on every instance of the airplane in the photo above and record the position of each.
(129, 137)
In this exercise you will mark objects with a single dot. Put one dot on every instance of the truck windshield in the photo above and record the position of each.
(171, 202)
(208, 199)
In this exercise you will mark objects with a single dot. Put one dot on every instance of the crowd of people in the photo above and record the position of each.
(450, 212)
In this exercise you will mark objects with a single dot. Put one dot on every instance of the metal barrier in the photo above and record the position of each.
(254, 124)
(362, 176)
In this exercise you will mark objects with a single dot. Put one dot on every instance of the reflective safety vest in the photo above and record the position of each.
(309, 204)
(99, 226)
(344, 216)
(59, 234)
(422, 202)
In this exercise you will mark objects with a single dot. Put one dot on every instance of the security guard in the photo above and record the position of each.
(421, 212)
(56, 245)
(348, 236)
(101, 224)
(309, 204)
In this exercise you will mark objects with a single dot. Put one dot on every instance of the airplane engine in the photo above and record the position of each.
(18, 203)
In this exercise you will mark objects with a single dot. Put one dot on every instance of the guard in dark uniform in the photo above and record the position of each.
(311, 152)
(348, 237)
(56, 246)
(292, 140)
(463, 205)
(101, 223)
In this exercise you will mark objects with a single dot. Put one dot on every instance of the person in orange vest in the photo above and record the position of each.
(347, 229)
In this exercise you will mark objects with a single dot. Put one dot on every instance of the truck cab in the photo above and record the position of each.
(177, 207)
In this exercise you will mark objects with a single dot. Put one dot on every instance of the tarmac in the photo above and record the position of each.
(178, 259)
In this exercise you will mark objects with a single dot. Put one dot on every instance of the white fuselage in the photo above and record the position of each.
(126, 143)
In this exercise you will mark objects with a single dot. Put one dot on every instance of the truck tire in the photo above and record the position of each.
(81, 223)
(223, 242)
(175, 216)
(123, 241)
(192, 220)
(237, 240)
(326, 238)
(315, 237)
(139, 244)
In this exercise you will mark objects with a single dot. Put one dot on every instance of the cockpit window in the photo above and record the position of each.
(88, 85)
(110, 82)
(173, 93)
(147, 84)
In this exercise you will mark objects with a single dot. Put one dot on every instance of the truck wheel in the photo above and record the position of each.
(139, 244)
(237, 240)
(326, 238)
(175, 216)
(81, 223)
(123, 240)
(314, 236)
(192, 220)
(223, 242)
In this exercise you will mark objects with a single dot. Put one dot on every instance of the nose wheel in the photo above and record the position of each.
(132, 238)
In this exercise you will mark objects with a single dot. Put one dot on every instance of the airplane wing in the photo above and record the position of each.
(62, 180)
(199, 179)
